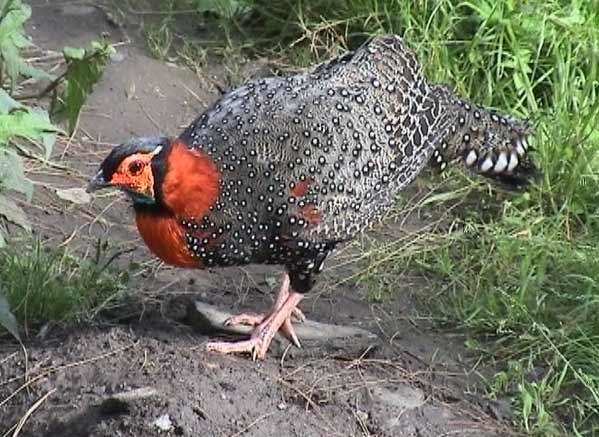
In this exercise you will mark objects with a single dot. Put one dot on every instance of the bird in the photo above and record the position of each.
(284, 170)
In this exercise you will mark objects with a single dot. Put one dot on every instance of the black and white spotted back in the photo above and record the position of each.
(310, 160)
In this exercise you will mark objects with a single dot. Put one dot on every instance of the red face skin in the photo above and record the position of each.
(190, 187)
(134, 174)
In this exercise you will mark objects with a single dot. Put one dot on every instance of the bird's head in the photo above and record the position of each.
(161, 173)
(135, 167)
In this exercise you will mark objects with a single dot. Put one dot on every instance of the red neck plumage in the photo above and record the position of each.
(190, 187)
(191, 184)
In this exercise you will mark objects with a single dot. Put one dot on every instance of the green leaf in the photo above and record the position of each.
(35, 73)
(13, 213)
(527, 403)
(84, 70)
(12, 176)
(7, 318)
(7, 103)
(31, 124)
(13, 40)
(73, 53)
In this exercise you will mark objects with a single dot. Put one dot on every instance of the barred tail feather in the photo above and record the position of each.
(490, 144)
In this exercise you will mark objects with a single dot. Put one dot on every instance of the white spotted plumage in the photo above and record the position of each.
(311, 160)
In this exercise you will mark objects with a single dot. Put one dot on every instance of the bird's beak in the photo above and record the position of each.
(97, 182)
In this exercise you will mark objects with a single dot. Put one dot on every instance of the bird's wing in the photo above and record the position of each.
(319, 156)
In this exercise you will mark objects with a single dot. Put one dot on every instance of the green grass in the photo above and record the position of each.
(521, 274)
(37, 284)
(159, 39)
(44, 285)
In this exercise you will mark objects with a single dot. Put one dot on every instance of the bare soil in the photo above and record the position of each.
(143, 371)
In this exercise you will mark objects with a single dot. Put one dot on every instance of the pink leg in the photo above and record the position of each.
(267, 327)
(254, 319)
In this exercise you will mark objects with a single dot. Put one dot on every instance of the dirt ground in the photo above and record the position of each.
(148, 373)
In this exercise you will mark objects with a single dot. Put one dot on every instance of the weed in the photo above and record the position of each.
(32, 126)
(159, 39)
(84, 70)
(193, 56)
(43, 284)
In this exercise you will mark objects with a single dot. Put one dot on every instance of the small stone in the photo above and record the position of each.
(117, 57)
(78, 10)
(74, 195)
(402, 396)
(99, 390)
(163, 423)
(282, 406)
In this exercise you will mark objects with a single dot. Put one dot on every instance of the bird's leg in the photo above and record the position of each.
(279, 319)
(263, 334)
(254, 319)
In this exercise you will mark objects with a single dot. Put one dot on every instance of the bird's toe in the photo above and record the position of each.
(298, 315)
(245, 319)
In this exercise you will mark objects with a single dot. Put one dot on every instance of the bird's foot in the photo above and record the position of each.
(245, 319)
(286, 329)
(259, 342)
(254, 319)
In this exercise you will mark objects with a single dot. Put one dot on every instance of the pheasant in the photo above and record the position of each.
(282, 170)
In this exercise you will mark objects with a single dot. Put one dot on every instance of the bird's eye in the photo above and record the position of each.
(136, 167)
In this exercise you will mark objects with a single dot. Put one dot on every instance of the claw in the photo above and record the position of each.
(290, 334)
(259, 342)
(298, 315)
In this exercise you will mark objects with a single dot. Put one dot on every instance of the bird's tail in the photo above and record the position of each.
(488, 143)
